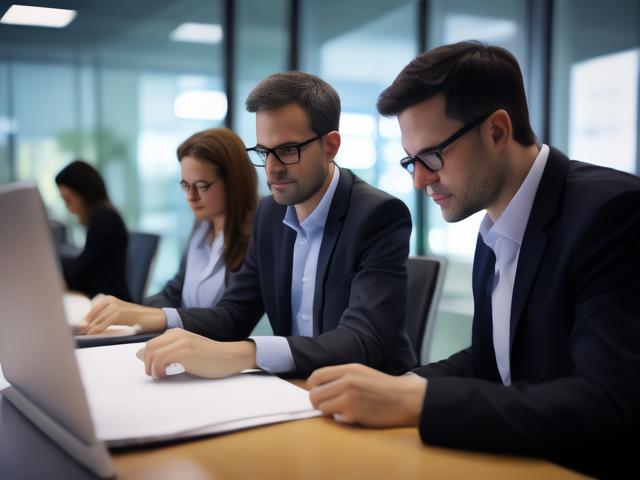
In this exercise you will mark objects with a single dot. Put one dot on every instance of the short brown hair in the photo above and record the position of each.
(475, 79)
(226, 151)
(311, 93)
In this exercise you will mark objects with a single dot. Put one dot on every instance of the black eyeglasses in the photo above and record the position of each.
(431, 157)
(286, 154)
(200, 186)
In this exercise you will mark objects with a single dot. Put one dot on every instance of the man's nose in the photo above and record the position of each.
(423, 177)
(273, 166)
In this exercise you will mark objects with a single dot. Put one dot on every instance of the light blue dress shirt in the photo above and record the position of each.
(273, 353)
(504, 238)
(204, 277)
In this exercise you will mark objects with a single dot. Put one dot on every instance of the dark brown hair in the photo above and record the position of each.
(311, 93)
(225, 150)
(85, 180)
(475, 80)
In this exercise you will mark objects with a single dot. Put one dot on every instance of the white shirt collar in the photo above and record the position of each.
(512, 223)
(200, 238)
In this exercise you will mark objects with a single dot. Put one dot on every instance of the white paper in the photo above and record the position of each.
(3, 381)
(112, 331)
(129, 407)
(76, 307)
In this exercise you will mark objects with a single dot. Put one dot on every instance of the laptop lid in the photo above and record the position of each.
(36, 344)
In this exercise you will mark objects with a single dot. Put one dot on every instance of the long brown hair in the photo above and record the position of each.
(225, 150)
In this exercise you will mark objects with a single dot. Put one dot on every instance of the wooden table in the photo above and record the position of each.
(319, 448)
(316, 448)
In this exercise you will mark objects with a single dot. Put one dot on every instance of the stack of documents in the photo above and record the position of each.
(128, 407)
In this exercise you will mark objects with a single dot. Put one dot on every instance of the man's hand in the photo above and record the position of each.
(198, 355)
(357, 394)
(110, 310)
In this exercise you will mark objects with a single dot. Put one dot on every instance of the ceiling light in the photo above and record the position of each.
(38, 16)
(197, 33)
(201, 105)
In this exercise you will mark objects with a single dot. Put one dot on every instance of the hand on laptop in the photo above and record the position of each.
(110, 310)
(198, 355)
(357, 394)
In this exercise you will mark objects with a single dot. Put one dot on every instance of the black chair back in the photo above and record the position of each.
(425, 279)
(140, 254)
(58, 232)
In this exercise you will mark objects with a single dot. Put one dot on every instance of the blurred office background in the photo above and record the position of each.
(126, 81)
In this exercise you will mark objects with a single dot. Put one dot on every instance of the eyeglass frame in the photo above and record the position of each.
(298, 146)
(408, 162)
(201, 186)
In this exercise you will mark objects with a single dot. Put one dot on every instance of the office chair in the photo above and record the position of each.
(59, 236)
(58, 232)
(424, 286)
(140, 253)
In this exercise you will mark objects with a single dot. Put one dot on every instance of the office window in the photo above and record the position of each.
(44, 114)
(596, 58)
(495, 22)
(359, 51)
(121, 87)
(262, 46)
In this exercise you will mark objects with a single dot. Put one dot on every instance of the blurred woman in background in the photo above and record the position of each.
(220, 186)
(100, 267)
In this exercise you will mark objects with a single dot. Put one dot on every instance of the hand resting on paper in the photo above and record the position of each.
(357, 394)
(198, 355)
(77, 305)
(108, 310)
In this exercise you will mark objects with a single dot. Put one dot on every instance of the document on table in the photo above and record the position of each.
(76, 307)
(128, 407)
(3, 381)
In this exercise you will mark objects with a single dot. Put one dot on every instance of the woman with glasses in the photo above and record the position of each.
(100, 267)
(220, 186)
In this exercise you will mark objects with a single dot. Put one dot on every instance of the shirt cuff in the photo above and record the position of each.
(173, 319)
(273, 354)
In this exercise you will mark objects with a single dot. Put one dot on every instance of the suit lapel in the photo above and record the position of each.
(333, 227)
(534, 242)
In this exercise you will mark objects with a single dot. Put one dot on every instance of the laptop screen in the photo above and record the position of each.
(36, 344)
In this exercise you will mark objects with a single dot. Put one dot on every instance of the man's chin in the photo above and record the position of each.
(281, 199)
(282, 196)
(451, 215)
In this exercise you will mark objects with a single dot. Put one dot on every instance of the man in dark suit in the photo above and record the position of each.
(326, 260)
(553, 369)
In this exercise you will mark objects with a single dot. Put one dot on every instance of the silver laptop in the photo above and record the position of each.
(36, 344)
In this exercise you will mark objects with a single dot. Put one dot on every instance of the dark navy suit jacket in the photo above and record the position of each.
(360, 290)
(575, 333)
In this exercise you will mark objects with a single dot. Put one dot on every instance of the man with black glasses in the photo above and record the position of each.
(326, 261)
(553, 369)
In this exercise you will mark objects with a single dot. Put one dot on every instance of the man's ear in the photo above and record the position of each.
(500, 130)
(331, 144)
